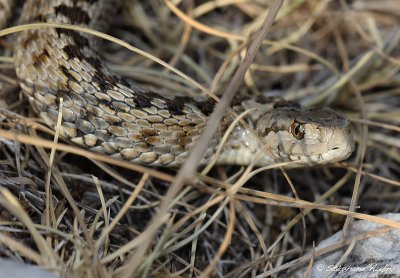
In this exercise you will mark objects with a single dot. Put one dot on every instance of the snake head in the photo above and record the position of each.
(305, 136)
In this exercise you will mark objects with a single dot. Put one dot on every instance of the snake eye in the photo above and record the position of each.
(297, 130)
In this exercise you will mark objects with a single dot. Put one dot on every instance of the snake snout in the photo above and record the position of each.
(341, 145)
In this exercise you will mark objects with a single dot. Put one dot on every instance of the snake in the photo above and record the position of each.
(107, 113)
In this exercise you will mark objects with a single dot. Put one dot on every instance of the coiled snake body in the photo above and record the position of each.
(106, 113)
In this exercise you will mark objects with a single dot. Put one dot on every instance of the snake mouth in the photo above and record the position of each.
(342, 145)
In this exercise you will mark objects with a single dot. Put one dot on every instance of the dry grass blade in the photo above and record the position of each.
(11, 203)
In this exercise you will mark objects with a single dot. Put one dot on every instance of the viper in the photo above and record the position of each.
(107, 113)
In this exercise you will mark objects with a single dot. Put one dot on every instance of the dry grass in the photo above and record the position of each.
(76, 212)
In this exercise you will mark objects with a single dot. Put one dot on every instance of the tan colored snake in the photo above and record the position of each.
(106, 113)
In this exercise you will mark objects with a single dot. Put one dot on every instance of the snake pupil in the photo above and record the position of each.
(297, 130)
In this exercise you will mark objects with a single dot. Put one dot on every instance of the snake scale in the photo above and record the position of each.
(106, 113)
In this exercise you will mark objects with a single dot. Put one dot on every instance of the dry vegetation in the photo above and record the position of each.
(75, 212)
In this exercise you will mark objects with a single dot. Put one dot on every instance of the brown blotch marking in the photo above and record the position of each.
(75, 14)
(207, 107)
(40, 18)
(64, 94)
(32, 37)
(104, 85)
(144, 99)
(73, 52)
(237, 101)
(64, 70)
(267, 100)
(77, 38)
(103, 80)
(95, 62)
(122, 80)
(177, 104)
(174, 105)
(85, 1)
(286, 104)
(80, 133)
(275, 128)
(39, 59)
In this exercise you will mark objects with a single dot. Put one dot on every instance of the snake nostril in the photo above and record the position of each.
(335, 148)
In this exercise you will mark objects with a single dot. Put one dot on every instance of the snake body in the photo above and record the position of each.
(108, 114)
